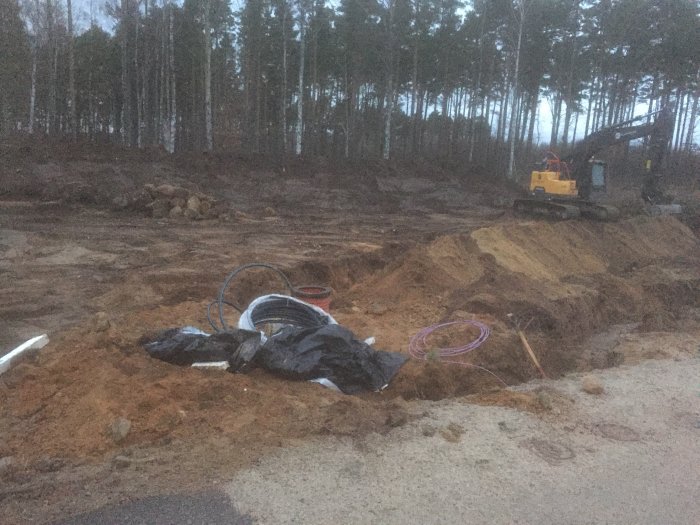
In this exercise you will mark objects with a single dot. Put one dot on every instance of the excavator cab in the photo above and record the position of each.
(551, 178)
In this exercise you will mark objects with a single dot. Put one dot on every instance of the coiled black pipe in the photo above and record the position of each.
(281, 310)
(277, 310)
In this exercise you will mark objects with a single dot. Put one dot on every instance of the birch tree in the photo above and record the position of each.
(300, 96)
(209, 142)
(520, 9)
(171, 89)
(71, 74)
(390, 7)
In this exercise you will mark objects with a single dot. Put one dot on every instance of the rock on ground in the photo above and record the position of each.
(119, 429)
(592, 385)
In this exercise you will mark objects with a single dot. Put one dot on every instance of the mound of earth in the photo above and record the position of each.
(567, 281)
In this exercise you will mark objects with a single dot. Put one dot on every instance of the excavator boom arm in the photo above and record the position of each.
(659, 132)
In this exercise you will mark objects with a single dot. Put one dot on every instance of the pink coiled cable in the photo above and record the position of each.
(419, 342)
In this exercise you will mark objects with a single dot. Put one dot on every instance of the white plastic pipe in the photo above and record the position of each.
(39, 341)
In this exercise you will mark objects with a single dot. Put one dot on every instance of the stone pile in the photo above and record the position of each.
(174, 202)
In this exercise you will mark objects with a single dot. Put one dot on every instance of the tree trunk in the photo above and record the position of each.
(556, 119)
(477, 89)
(316, 125)
(126, 94)
(691, 124)
(348, 109)
(524, 114)
(389, 106)
(172, 106)
(137, 81)
(425, 105)
(684, 116)
(258, 97)
(53, 67)
(32, 92)
(386, 151)
(533, 117)
(414, 95)
(5, 126)
(418, 131)
(163, 90)
(207, 76)
(678, 132)
(145, 106)
(514, 107)
(591, 95)
(283, 101)
(300, 100)
(503, 114)
(71, 75)
(92, 119)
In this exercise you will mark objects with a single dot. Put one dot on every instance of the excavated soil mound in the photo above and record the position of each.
(566, 281)
(563, 281)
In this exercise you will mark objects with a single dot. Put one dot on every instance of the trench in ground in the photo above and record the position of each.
(567, 284)
(580, 287)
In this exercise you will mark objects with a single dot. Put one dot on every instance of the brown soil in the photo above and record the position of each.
(540, 400)
(61, 402)
(393, 273)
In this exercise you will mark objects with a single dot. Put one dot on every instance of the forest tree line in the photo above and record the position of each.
(352, 78)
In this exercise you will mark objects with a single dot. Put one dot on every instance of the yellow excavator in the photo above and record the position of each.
(569, 188)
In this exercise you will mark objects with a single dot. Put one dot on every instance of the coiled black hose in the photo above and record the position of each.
(288, 312)
(282, 310)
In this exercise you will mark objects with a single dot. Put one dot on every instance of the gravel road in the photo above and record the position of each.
(629, 455)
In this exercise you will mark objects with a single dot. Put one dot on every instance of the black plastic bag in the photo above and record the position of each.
(183, 347)
(330, 352)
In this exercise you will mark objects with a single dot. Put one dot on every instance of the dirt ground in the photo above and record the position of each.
(402, 248)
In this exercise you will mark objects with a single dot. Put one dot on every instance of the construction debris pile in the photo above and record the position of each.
(284, 335)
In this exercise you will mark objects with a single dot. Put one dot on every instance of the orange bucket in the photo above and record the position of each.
(317, 295)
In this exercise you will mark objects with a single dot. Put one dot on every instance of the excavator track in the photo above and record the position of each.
(555, 210)
(600, 212)
(568, 210)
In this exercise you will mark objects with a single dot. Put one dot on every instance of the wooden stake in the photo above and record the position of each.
(529, 351)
